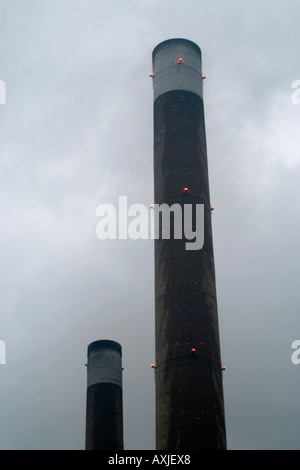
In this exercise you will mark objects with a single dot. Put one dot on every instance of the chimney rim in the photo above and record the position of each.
(173, 40)
(104, 344)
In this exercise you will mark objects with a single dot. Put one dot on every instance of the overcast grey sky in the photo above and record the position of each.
(76, 132)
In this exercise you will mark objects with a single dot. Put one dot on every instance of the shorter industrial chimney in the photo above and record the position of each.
(104, 406)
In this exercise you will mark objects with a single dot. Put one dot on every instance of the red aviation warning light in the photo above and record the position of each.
(212, 208)
(193, 351)
(223, 368)
(151, 75)
(180, 60)
(185, 190)
(153, 365)
(203, 77)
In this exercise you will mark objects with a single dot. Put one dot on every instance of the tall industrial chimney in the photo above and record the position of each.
(104, 407)
(189, 390)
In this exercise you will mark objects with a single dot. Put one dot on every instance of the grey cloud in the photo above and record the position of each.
(77, 133)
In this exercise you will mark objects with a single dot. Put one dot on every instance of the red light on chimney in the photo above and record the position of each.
(186, 190)
(180, 60)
